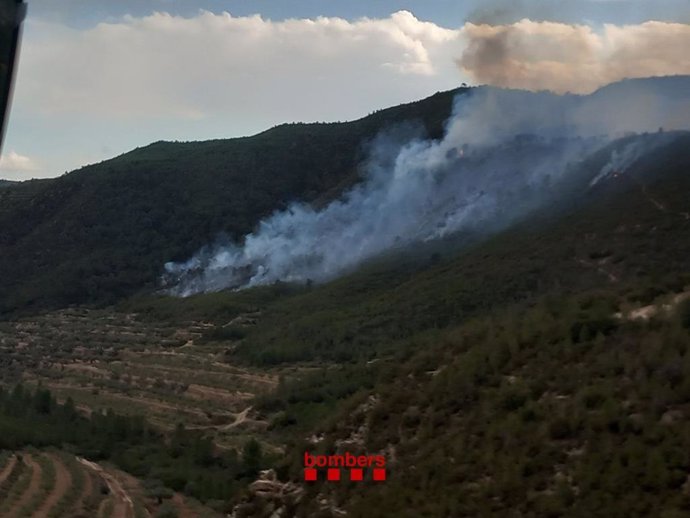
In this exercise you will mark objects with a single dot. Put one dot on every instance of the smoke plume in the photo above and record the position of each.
(572, 58)
(503, 152)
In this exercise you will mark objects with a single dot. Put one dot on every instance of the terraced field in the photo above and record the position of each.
(105, 359)
(54, 484)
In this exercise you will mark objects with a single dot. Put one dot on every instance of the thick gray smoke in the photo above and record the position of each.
(502, 152)
(571, 58)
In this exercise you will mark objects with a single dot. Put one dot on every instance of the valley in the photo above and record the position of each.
(536, 364)
(51, 483)
(104, 359)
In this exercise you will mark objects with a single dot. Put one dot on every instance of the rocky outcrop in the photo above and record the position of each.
(269, 498)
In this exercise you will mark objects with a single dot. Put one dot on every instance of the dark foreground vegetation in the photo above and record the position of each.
(184, 460)
(557, 410)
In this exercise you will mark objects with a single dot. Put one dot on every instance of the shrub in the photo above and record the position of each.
(560, 428)
(167, 510)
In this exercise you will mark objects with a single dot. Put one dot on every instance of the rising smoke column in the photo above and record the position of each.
(572, 57)
(501, 153)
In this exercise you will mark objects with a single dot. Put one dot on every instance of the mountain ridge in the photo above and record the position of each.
(133, 213)
(541, 369)
(103, 232)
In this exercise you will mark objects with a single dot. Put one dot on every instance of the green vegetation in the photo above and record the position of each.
(186, 461)
(139, 509)
(15, 492)
(514, 415)
(14, 475)
(104, 232)
(511, 375)
(47, 484)
(167, 510)
(613, 235)
(543, 372)
(4, 458)
(69, 498)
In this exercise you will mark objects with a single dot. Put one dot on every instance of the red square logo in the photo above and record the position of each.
(356, 474)
(333, 474)
(379, 474)
(309, 474)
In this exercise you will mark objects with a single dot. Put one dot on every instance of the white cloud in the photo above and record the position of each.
(14, 166)
(126, 83)
(190, 68)
(313, 69)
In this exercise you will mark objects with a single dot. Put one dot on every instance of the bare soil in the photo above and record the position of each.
(123, 506)
(63, 481)
(34, 485)
(8, 468)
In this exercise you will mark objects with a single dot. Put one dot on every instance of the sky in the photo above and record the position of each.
(97, 78)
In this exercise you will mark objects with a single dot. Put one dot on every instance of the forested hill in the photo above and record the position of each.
(104, 231)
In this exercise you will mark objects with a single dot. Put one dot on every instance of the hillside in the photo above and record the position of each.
(525, 382)
(510, 372)
(536, 365)
(103, 232)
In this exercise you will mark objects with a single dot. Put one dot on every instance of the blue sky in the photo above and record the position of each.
(449, 13)
(99, 77)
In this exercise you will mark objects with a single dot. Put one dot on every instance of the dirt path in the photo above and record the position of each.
(228, 371)
(123, 506)
(63, 481)
(238, 419)
(8, 468)
(131, 486)
(34, 485)
(241, 418)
